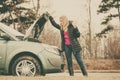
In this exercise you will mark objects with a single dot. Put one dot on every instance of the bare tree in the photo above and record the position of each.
(118, 10)
(89, 25)
(36, 8)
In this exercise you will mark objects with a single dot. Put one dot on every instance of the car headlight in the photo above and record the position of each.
(52, 49)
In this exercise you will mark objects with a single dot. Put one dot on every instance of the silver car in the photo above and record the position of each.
(24, 56)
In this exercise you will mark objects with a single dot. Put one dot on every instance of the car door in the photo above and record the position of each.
(3, 47)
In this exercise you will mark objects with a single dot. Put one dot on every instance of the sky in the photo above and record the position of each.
(76, 10)
(68, 7)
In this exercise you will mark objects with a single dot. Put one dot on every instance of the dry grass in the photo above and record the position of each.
(99, 64)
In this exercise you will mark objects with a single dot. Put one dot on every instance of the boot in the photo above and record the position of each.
(71, 72)
(84, 72)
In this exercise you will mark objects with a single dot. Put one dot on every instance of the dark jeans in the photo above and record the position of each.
(68, 52)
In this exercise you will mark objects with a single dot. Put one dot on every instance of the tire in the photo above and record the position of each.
(26, 66)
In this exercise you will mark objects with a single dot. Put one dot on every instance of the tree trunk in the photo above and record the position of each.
(38, 7)
(89, 24)
(12, 20)
(118, 11)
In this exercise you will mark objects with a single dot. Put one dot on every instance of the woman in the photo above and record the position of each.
(69, 35)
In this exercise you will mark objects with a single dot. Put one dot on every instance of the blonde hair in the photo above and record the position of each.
(64, 22)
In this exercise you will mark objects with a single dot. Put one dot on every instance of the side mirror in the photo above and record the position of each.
(7, 38)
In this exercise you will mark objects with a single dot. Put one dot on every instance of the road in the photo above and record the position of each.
(65, 76)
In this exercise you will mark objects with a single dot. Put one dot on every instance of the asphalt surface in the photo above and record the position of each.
(65, 76)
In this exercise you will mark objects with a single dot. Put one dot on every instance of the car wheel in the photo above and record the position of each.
(26, 66)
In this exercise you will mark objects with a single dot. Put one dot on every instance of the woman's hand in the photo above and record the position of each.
(47, 14)
(74, 24)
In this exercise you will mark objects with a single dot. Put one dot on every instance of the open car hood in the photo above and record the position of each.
(36, 28)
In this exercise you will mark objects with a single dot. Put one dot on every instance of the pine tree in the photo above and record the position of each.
(106, 6)
(15, 13)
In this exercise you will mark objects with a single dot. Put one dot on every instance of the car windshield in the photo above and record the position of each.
(11, 31)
